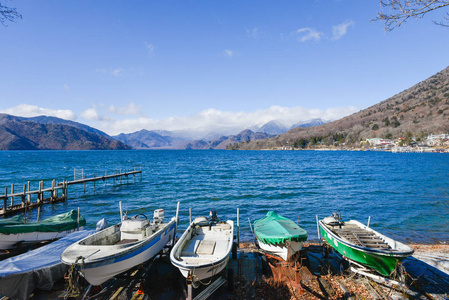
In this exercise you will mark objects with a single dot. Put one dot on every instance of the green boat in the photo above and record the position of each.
(361, 244)
(279, 236)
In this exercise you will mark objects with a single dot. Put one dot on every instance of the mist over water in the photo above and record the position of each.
(406, 194)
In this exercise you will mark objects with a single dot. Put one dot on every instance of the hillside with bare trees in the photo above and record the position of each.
(416, 112)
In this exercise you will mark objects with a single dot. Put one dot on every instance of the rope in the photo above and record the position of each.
(74, 287)
(193, 277)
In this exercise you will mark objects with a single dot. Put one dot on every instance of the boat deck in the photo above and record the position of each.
(359, 236)
(207, 245)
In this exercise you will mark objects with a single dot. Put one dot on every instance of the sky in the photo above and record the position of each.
(123, 66)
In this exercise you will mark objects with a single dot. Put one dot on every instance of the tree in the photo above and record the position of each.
(8, 14)
(402, 10)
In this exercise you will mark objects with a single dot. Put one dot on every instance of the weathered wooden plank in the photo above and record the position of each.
(345, 290)
(326, 287)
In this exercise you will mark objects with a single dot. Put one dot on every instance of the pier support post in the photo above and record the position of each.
(12, 192)
(54, 191)
(5, 199)
(29, 195)
(238, 227)
(65, 190)
(40, 195)
(24, 195)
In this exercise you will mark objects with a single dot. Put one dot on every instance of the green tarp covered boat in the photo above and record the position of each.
(361, 244)
(279, 235)
(14, 231)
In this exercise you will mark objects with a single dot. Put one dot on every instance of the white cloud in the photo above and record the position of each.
(228, 53)
(26, 110)
(114, 72)
(91, 114)
(340, 30)
(150, 48)
(200, 124)
(130, 109)
(101, 70)
(307, 34)
(252, 33)
(214, 120)
(117, 72)
(66, 87)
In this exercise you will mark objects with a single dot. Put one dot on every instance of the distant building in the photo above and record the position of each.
(380, 143)
(437, 140)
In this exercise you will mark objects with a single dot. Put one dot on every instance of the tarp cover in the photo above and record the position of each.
(12, 221)
(39, 268)
(56, 223)
(275, 229)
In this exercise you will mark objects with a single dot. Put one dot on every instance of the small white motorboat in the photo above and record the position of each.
(204, 249)
(120, 247)
(14, 232)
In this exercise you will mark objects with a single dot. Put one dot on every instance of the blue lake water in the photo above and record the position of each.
(406, 194)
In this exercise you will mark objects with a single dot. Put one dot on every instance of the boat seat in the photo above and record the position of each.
(126, 241)
(190, 247)
(206, 247)
(220, 248)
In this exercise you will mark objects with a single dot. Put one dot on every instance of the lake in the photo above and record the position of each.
(406, 194)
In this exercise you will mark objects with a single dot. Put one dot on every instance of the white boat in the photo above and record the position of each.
(204, 249)
(120, 247)
(14, 232)
(278, 235)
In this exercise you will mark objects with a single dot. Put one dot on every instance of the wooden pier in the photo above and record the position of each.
(58, 191)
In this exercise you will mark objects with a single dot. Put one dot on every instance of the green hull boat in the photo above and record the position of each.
(361, 244)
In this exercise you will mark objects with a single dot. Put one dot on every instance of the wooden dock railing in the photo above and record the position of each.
(25, 194)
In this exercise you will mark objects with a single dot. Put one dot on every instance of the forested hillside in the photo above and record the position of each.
(414, 113)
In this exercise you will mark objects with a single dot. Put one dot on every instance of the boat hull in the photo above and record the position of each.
(382, 262)
(98, 271)
(284, 251)
(197, 267)
(203, 272)
(10, 241)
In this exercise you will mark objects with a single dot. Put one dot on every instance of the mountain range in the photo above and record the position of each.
(414, 113)
(49, 133)
(162, 139)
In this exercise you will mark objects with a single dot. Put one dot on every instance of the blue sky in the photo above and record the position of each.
(122, 66)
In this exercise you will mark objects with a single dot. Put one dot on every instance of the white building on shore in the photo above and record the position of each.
(437, 140)
(380, 143)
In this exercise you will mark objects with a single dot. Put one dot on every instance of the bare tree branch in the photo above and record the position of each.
(402, 10)
(8, 14)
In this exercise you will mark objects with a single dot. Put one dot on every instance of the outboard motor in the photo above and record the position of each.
(334, 219)
(213, 219)
(213, 215)
(158, 216)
